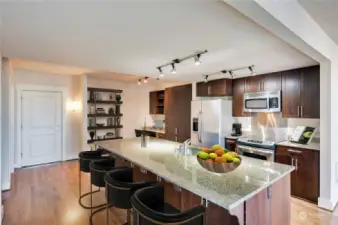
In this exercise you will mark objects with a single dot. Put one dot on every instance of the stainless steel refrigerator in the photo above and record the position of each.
(211, 121)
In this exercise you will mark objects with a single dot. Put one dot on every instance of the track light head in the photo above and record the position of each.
(145, 80)
(206, 78)
(161, 72)
(197, 59)
(252, 70)
(232, 74)
(224, 71)
(139, 81)
(173, 71)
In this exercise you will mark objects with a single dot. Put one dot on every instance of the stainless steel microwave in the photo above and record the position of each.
(269, 101)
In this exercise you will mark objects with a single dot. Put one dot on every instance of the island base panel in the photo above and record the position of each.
(268, 205)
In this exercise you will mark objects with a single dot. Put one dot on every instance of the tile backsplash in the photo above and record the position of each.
(158, 120)
(288, 127)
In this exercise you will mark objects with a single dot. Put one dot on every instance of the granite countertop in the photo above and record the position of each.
(312, 146)
(226, 190)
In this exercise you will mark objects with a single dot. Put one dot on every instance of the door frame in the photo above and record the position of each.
(43, 88)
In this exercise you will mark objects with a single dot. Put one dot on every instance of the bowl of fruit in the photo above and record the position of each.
(218, 160)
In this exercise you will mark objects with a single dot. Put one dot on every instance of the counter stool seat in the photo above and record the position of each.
(85, 157)
(150, 209)
(120, 187)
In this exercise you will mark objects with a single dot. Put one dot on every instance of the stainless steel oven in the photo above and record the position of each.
(256, 152)
(269, 101)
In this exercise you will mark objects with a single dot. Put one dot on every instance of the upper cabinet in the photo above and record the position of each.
(271, 82)
(238, 98)
(266, 82)
(301, 93)
(156, 102)
(213, 88)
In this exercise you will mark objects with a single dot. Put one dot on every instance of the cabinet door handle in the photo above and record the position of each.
(298, 114)
(301, 111)
(263, 85)
(294, 151)
(176, 139)
(209, 90)
(296, 164)
(292, 164)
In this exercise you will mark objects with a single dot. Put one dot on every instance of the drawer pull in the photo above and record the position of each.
(294, 151)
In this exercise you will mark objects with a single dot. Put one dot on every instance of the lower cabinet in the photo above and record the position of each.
(305, 177)
(230, 144)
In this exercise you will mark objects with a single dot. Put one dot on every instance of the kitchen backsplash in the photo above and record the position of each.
(286, 125)
(158, 121)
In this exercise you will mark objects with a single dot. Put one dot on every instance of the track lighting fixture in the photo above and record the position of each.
(252, 70)
(145, 80)
(161, 72)
(232, 74)
(139, 81)
(196, 56)
(197, 59)
(173, 71)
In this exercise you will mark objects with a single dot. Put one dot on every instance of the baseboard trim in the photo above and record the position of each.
(327, 204)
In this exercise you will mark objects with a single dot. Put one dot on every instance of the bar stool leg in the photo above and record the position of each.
(91, 199)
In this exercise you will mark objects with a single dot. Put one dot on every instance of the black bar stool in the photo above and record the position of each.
(120, 187)
(98, 170)
(150, 209)
(85, 158)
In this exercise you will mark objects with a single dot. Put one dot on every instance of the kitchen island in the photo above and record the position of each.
(256, 193)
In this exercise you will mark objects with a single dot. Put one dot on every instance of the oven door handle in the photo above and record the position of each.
(257, 151)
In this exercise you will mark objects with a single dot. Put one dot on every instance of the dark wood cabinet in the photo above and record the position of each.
(301, 93)
(152, 102)
(213, 88)
(310, 102)
(305, 178)
(238, 90)
(253, 84)
(291, 93)
(156, 102)
(271, 82)
(231, 144)
(178, 112)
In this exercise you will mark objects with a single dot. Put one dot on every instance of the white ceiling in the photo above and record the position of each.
(325, 13)
(134, 37)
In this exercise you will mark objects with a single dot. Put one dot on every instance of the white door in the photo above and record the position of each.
(41, 127)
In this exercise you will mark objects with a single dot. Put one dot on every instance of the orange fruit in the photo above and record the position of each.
(220, 160)
(207, 150)
(210, 160)
(219, 152)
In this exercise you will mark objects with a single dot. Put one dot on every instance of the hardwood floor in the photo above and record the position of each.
(49, 195)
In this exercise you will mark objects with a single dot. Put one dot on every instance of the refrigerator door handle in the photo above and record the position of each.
(199, 127)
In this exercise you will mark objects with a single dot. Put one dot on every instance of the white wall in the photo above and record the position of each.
(6, 144)
(72, 85)
(1, 209)
(135, 107)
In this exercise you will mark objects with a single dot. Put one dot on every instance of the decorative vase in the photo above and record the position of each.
(92, 134)
(118, 98)
(117, 109)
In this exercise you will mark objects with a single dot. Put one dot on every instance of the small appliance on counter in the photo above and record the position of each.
(303, 135)
(236, 129)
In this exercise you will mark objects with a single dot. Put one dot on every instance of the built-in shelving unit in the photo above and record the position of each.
(104, 114)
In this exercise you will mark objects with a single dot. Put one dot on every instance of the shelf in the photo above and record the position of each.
(104, 127)
(104, 115)
(104, 90)
(104, 102)
(160, 106)
(106, 139)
